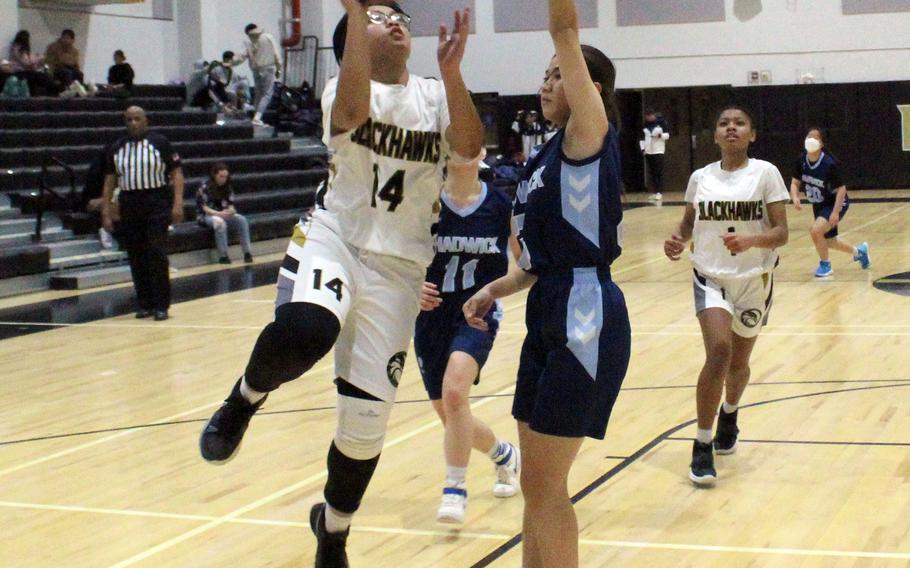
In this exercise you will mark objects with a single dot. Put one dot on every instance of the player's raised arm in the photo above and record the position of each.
(588, 123)
(465, 133)
(352, 103)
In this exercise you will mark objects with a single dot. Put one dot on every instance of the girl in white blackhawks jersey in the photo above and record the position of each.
(353, 274)
(736, 217)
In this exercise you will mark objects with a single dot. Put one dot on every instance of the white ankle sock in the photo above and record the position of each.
(336, 521)
(704, 436)
(455, 476)
(729, 408)
(252, 396)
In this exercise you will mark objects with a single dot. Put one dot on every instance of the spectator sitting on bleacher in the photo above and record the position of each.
(62, 56)
(29, 67)
(215, 210)
(92, 198)
(120, 77)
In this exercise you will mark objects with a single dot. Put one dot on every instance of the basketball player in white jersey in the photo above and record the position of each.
(736, 218)
(353, 273)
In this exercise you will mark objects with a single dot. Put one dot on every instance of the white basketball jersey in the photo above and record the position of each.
(386, 175)
(728, 202)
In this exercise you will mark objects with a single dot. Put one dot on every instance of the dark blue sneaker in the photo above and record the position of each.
(727, 432)
(824, 269)
(330, 547)
(701, 471)
(862, 256)
(221, 437)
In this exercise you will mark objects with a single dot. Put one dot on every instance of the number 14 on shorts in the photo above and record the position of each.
(335, 284)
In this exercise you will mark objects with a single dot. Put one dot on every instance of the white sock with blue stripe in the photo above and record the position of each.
(501, 452)
(456, 476)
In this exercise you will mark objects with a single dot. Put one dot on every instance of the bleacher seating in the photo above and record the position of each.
(274, 181)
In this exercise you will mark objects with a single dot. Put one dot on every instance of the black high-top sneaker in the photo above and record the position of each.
(727, 432)
(223, 433)
(330, 547)
(702, 471)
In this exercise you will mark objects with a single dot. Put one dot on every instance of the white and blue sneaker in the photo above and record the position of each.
(453, 505)
(508, 473)
(862, 256)
(824, 269)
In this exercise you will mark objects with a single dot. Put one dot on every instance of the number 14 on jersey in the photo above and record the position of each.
(392, 191)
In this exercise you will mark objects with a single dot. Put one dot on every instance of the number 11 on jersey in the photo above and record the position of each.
(467, 278)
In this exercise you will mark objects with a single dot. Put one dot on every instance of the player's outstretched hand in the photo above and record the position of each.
(353, 5)
(477, 307)
(451, 46)
(429, 297)
(674, 247)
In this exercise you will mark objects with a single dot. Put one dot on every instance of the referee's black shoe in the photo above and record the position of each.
(727, 432)
(142, 314)
(223, 433)
(330, 547)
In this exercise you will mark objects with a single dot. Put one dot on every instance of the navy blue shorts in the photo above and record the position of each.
(824, 210)
(575, 356)
(440, 332)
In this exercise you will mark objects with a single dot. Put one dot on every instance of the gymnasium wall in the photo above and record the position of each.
(761, 35)
(160, 37)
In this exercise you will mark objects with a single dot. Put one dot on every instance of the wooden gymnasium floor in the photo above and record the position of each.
(98, 438)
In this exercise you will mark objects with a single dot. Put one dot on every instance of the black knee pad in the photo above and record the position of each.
(301, 334)
(348, 480)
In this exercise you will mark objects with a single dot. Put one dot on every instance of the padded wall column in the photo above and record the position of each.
(9, 21)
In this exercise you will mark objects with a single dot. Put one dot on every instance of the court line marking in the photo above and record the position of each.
(276, 495)
(876, 220)
(244, 521)
(129, 326)
(93, 443)
(614, 471)
(809, 442)
(747, 549)
(764, 333)
(457, 534)
(423, 401)
(120, 434)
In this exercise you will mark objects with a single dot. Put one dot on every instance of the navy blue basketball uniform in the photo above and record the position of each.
(573, 361)
(472, 246)
(820, 181)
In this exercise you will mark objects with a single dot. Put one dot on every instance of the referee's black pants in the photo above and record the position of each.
(144, 218)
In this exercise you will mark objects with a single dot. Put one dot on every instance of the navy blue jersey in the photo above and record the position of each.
(471, 243)
(568, 212)
(820, 180)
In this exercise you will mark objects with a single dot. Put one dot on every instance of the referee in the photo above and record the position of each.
(143, 165)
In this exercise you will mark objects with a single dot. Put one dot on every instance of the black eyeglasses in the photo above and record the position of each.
(377, 17)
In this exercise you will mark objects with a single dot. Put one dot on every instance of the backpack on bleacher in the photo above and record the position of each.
(15, 88)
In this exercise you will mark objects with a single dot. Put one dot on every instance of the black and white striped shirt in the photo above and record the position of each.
(142, 164)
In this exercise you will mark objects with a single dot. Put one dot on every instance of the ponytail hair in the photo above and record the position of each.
(603, 71)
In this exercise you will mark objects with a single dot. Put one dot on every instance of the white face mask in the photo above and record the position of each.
(812, 145)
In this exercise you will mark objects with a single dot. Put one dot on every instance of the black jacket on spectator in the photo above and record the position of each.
(121, 74)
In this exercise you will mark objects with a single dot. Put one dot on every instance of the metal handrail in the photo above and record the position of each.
(307, 43)
(43, 188)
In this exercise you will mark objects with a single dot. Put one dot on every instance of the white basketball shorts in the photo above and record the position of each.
(747, 299)
(375, 297)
